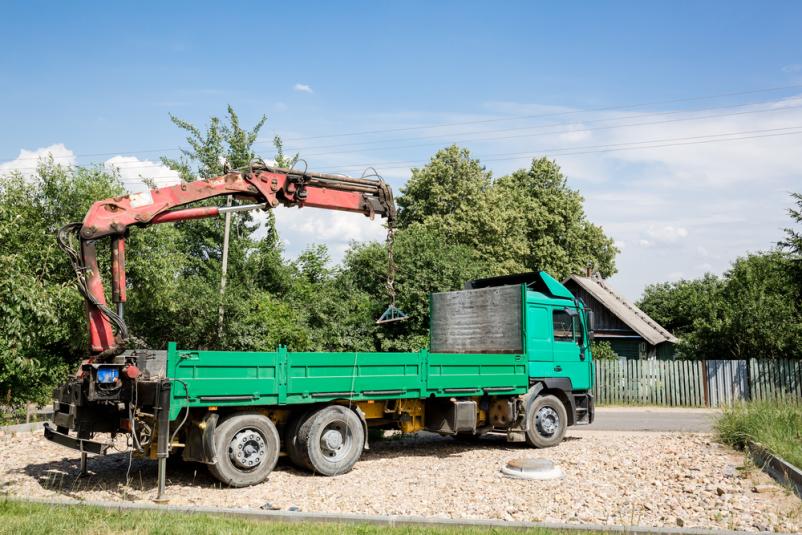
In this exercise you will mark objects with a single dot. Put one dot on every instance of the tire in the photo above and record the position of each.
(236, 440)
(331, 440)
(291, 446)
(546, 422)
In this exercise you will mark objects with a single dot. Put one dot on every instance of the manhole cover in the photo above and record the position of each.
(532, 469)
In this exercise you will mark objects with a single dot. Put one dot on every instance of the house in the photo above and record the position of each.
(629, 330)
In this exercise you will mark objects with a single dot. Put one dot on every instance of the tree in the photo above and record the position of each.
(527, 221)
(534, 221)
(444, 190)
(763, 318)
(793, 238)
(793, 243)
(221, 146)
(43, 325)
(683, 305)
(750, 312)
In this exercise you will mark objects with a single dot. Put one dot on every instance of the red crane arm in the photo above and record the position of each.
(266, 186)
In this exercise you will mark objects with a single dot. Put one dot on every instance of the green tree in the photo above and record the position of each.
(42, 328)
(793, 237)
(750, 312)
(445, 190)
(763, 318)
(529, 220)
(793, 243)
(254, 265)
(682, 306)
(535, 221)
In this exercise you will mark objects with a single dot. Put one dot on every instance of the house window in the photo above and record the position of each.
(563, 326)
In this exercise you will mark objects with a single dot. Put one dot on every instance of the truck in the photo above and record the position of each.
(508, 355)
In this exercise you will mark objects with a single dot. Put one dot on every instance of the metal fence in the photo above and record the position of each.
(684, 383)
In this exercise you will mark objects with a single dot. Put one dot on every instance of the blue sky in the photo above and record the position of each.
(94, 82)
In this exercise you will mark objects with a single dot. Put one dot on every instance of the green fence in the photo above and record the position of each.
(682, 383)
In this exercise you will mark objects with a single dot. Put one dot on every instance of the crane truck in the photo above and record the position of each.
(508, 355)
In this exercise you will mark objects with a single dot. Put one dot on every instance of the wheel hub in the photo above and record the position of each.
(247, 449)
(335, 441)
(547, 421)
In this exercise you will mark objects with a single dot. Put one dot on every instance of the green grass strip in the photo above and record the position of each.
(775, 425)
(21, 518)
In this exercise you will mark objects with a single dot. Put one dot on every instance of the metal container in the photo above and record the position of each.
(486, 320)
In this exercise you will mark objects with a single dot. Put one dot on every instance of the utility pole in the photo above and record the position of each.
(226, 232)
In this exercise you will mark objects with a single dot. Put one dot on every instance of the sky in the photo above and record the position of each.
(679, 122)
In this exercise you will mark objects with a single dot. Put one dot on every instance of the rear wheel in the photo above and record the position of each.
(291, 445)
(546, 421)
(247, 448)
(331, 440)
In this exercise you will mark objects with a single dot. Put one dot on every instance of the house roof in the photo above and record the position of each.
(635, 318)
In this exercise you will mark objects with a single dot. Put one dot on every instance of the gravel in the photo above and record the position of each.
(624, 478)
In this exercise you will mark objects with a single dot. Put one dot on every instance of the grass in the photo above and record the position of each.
(22, 518)
(775, 425)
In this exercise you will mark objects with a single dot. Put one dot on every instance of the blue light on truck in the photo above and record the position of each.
(107, 374)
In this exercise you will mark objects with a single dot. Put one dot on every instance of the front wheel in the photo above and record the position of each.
(546, 421)
(247, 448)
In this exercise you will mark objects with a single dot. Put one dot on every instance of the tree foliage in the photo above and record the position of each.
(527, 221)
(752, 311)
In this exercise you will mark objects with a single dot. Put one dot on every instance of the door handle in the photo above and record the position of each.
(558, 368)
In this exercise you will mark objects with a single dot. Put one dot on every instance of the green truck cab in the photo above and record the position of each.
(508, 356)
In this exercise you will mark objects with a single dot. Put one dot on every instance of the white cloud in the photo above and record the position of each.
(620, 244)
(306, 226)
(302, 88)
(666, 233)
(28, 160)
(133, 171)
(793, 68)
(576, 134)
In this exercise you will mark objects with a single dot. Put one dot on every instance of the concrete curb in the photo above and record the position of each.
(391, 521)
(778, 468)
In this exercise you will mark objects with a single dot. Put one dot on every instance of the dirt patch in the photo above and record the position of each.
(652, 479)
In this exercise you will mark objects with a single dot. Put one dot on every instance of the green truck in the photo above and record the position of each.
(507, 356)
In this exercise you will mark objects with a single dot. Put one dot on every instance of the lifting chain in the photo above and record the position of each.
(390, 284)
(392, 313)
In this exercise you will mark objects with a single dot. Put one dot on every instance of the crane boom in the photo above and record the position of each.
(268, 187)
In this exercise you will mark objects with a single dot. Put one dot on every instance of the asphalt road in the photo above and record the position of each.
(653, 419)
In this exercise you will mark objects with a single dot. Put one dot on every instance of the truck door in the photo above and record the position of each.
(538, 334)
(569, 359)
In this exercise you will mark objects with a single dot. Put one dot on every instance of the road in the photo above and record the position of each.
(653, 419)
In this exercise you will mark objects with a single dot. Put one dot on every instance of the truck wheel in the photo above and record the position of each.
(247, 450)
(291, 445)
(546, 421)
(331, 440)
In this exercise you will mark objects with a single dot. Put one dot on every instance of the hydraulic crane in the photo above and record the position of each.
(266, 187)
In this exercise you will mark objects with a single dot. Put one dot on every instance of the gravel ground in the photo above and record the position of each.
(630, 478)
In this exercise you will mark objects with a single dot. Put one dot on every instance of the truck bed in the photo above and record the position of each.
(220, 378)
